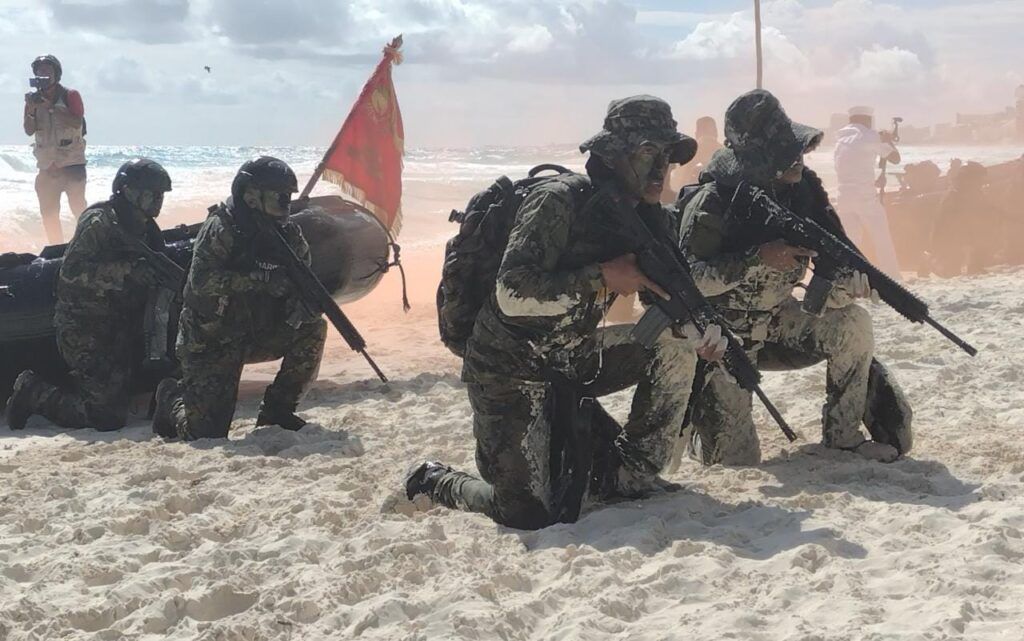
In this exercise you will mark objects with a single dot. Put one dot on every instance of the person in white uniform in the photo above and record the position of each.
(858, 150)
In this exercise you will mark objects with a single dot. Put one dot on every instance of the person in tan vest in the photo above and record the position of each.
(55, 115)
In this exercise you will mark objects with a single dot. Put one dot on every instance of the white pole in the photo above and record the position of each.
(757, 43)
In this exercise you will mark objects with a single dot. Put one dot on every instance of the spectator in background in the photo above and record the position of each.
(55, 115)
(706, 134)
(858, 150)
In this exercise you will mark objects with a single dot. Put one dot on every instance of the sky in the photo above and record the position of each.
(497, 72)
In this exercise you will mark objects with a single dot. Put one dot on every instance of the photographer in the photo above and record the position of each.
(859, 149)
(55, 115)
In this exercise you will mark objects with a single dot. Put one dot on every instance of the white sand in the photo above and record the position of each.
(275, 535)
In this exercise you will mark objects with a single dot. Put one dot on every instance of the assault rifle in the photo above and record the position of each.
(837, 257)
(313, 293)
(665, 265)
(169, 274)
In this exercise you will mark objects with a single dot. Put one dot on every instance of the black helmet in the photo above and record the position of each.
(50, 60)
(266, 174)
(142, 174)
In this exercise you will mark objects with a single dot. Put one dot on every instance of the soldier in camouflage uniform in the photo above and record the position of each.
(241, 307)
(102, 292)
(749, 274)
(562, 262)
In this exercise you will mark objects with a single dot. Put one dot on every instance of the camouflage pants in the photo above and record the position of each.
(722, 423)
(209, 384)
(99, 354)
(512, 427)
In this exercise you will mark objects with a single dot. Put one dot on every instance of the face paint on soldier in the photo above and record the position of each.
(271, 203)
(147, 202)
(643, 172)
(794, 174)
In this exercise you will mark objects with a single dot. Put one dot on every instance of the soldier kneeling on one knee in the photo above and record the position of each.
(104, 285)
(240, 306)
(536, 348)
(749, 274)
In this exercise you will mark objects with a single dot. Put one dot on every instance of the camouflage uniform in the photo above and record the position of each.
(755, 299)
(102, 291)
(542, 323)
(230, 318)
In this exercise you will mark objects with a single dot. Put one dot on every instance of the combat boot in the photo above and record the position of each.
(423, 478)
(20, 406)
(284, 417)
(164, 422)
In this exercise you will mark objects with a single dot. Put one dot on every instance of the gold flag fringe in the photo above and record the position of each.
(359, 195)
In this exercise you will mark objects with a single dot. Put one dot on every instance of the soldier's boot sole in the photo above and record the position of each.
(164, 423)
(19, 405)
(423, 477)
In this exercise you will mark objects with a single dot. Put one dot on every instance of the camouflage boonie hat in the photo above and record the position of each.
(635, 120)
(761, 142)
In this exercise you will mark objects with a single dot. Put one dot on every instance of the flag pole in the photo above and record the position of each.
(391, 53)
(757, 43)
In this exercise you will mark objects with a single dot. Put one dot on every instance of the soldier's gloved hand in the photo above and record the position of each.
(622, 276)
(859, 286)
(710, 346)
(780, 255)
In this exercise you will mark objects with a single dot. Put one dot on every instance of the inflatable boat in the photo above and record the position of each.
(350, 252)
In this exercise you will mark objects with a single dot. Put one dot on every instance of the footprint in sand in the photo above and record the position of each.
(222, 601)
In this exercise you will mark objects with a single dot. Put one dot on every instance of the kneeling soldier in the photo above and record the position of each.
(241, 307)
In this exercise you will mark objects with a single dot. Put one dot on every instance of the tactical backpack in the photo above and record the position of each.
(473, 255)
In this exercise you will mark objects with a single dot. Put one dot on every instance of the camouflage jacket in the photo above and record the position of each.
(550, 296)
(101, 277)
(224, 302)
(722, 250)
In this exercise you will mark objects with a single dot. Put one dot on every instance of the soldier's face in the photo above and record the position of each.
(794, 174)
(148, 202)
(271, 203)
(643, 171)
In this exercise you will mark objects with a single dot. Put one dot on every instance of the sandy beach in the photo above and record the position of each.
(280, 535)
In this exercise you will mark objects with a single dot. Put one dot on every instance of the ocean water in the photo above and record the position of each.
(434, 180)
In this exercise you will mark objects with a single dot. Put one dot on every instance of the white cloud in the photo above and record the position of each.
(880, 68)
(124, 75)
(533, 39)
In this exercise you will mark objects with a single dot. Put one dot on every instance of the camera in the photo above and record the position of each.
(39, 82)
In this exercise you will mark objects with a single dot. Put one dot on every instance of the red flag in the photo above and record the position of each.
(365, 159)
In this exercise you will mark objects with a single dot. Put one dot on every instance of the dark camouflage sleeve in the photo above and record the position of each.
(210, 273)
(530, 280)
(93, 264)
(701, 232)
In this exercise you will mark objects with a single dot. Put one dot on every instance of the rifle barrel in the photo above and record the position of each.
(961, 343)
(776, 414)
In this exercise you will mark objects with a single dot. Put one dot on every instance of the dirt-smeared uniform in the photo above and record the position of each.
(544, 316)
(756, 300)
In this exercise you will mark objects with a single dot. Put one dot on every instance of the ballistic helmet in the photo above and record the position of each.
(266, 174)
(141, 174)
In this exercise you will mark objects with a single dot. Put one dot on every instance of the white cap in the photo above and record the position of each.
(861, 110)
